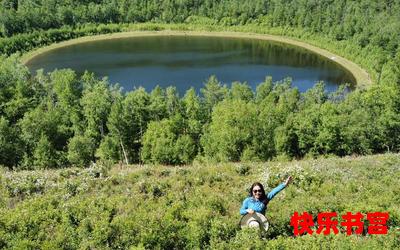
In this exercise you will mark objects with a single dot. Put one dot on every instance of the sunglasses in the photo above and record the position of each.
(257, 191)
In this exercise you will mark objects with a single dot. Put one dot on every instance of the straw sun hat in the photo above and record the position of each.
(254, 220)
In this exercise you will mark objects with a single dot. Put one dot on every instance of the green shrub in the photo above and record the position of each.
(193, 206)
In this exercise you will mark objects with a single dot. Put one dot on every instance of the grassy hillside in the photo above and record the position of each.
(194, 206)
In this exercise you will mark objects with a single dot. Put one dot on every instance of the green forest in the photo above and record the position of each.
(59, 120)
(66, 138)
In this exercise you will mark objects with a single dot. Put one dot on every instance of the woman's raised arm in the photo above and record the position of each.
(279, 188)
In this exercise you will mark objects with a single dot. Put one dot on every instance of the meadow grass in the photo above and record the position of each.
(197, 206)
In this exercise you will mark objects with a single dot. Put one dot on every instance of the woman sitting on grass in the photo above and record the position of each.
(257, 200)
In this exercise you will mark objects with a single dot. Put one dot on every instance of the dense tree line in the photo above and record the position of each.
(61, 119)
(363, 31)
(30, 41)
(366, 21)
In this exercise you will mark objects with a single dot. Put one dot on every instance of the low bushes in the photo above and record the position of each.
(193, 206)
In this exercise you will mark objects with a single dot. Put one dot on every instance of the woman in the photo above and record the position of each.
(257, 200)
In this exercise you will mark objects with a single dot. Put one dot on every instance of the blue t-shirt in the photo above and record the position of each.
(258, 206)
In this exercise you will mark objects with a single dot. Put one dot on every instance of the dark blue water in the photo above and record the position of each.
(186, 61)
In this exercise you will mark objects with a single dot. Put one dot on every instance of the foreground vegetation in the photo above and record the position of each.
(193, 206)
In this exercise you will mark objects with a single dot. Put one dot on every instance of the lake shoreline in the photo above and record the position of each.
(360, 75)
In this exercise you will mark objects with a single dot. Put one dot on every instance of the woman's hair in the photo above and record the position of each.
(263, 197)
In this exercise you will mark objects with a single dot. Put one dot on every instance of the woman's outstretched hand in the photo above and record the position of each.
(288, 180)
